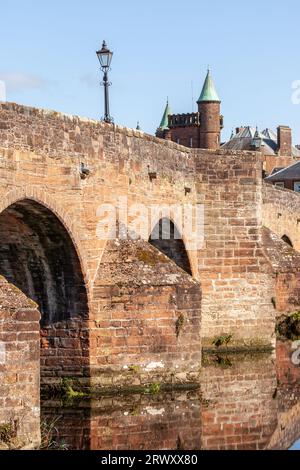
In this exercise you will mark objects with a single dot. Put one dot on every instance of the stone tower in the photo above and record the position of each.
(211, 121)
(195, 130)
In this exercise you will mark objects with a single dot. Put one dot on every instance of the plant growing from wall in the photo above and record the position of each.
(49, 434)
(134, 368)
(223, 340)
(68, 392)
(153, 389)
(289, 327)
(179, 324)
(7, 432)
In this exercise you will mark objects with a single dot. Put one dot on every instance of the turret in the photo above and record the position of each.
(211, 121)
(163, 131)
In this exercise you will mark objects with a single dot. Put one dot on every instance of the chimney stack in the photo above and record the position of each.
(284, 141)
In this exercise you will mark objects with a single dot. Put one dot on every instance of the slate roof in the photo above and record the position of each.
(244, 140)
(291, 172)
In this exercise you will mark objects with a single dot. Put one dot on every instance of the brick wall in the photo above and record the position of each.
(189, 136)
(19, 368)
(277, 161)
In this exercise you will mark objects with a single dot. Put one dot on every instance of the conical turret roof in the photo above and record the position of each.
(209, 92)
(165, 119)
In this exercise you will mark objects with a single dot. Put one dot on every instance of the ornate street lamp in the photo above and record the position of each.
(105, 57)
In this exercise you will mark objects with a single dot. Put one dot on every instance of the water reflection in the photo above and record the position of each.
(248, 402)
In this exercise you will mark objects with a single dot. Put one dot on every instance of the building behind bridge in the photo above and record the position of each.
(202, 129)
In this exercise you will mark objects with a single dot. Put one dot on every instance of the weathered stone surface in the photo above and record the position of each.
(19, 368)
(138, 301)
(285, 262)
(41, 155)
(281, 213)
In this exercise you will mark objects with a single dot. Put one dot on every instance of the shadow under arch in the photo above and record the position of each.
(38, 256)
(166, 238)
(287, 240)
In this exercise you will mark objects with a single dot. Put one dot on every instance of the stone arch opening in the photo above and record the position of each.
(167, 239)
(38, 256)
(287, 240)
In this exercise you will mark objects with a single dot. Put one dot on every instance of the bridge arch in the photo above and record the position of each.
(166, 237)
(48, 201)
(287, 240)
(39, 256)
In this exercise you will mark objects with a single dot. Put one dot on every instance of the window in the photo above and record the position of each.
(178, 141)
(279, 184)
(191, 142)
(297, 186)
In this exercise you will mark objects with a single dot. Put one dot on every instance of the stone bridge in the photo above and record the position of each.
(281, 213)
(125, 312)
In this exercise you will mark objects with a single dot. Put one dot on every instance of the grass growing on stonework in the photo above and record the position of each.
(179, 324)
(7, 433)
(49, 435)
(154, 389)
(222, 340)
(135, 369)
(151, 258)
(67, 393)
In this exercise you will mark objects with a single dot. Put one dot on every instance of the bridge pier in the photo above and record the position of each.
(145, 319)
(19, 369)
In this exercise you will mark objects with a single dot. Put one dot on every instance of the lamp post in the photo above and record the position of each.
(105, 56)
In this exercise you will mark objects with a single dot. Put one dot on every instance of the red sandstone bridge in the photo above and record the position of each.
(110, 306)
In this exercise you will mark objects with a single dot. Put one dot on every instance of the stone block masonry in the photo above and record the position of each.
(281, 241)
(147, 318)
(281, 213)
(285, 262)
(19, 369)
(234, 271)
(105, 305)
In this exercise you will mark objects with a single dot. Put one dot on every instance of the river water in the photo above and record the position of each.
(244, 402)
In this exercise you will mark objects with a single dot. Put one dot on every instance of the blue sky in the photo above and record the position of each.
(296, 446)
(47, 57)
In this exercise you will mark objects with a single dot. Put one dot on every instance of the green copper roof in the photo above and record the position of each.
(209, 92)
(165, 121)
